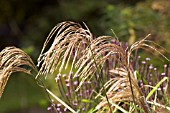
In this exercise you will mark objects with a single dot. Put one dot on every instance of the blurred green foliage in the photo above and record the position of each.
(22, 92)
(26, 24)
(136, 21)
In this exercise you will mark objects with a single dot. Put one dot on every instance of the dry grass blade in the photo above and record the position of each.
(68, 37)
(13, 60)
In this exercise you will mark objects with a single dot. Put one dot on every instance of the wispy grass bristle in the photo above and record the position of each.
(13, 60)
(67, 36)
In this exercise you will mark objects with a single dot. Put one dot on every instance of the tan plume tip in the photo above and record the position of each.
(13, 60)
(65, 37)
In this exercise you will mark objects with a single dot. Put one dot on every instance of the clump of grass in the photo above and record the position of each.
(102, 71)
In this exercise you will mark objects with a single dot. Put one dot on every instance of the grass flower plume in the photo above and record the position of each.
(13, 60)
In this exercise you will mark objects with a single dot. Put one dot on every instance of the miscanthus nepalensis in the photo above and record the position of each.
(104, 74)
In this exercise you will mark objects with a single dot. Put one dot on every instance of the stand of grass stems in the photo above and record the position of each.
(104, 74)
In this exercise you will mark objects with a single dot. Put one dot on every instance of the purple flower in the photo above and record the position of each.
(75, 83)
(58, 109)
(49, 108)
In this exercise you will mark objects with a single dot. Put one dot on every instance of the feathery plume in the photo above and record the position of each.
(13, 60)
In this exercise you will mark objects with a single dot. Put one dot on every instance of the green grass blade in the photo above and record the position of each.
(139, 77)
(156, 87)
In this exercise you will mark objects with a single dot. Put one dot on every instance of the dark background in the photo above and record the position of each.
(26, 24)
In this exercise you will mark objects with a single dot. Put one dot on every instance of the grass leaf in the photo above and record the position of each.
(156, 87)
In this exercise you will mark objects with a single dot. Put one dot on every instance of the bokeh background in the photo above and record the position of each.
(26, 24)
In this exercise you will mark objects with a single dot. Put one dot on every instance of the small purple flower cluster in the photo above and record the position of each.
(150, 75)
(78, 100)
